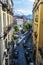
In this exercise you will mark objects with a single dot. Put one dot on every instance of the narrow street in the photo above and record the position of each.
(21, 57)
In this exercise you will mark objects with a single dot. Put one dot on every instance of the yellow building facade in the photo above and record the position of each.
(6, 28)
(38, 30)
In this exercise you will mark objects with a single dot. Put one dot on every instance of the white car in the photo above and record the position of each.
(24, 41)
(31, 63)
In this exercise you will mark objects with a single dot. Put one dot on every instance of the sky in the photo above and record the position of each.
(23, 7)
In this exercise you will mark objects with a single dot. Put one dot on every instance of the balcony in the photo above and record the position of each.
(10, 4)
(8, 7)
(35, 3)
(7, 29)
(11, 10)
(35, 34)
(5, 34)
(4, 3)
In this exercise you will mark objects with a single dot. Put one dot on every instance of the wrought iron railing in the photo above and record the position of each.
(6, 31)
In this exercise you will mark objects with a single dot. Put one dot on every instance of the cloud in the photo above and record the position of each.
(23, 12)
(23, 6)
(31, 0)
(28, 0)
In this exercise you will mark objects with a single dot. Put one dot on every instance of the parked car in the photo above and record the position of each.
(27, 53)
(28, 59)
(18, 44)
(31, 63)
(16, 53)
(24, 41)
(25, 45)
(22, 31)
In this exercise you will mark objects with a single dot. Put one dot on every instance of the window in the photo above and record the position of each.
(36, 18)
(36, 15)
(35, 27)
(8, 37)
(6, 44)
(4, 20)
(8, 19)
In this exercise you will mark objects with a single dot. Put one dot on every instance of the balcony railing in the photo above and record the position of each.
(10, 8)
(11, 11)
(4, 2)
(6, 31)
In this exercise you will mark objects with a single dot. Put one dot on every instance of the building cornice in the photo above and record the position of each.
(37, 5)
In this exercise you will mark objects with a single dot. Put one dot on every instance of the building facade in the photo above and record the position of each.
(6, 29)
(20, 23)
(19, 20)
(38, 30)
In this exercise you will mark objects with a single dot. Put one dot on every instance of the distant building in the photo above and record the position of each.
(20, 21)
(24, 19)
